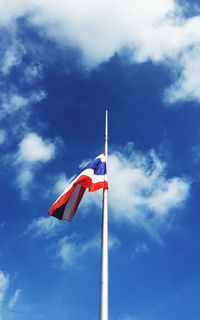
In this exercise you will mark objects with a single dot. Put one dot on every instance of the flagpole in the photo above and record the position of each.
(104, 244)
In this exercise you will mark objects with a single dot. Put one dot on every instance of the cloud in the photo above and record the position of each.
(81, 23)
(140, 192)
(4, 284)
(12, 57)
(14, 298)
(113, 242)
(139, 186)
(187, 85)
(140, 248)
(32, 73)
(20, 82)
(4, 287)
(13, 101)
(44, 226)
(61, 182)
(134, 27)
(18, 95)
(10, 11)
(33, 149)
(71, 252)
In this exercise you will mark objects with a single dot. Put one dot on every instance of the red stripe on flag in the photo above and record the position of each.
(85, 182)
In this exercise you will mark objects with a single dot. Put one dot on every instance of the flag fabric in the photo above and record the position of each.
(93, 177)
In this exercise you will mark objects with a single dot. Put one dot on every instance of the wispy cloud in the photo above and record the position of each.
(32, 73)
(13, 101)
(140, 248)
(5, 288)
(12, 57)
(14, 298)
(19, 93)
(71, 252)
(44, 226)
(4, 284)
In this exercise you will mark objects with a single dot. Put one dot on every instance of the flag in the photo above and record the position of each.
(93, 177)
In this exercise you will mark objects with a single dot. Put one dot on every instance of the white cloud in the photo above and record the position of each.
(4, 287)
(12, 57)
(33, 149)
(57, 183)
(33, 152)
(67, 252)
(47, 226)
(24, 178)
(61, 182)
(71, 252)
(13, 101)
(81, 23)
(4, 284)
(15, 97)
(11, 9)
(186, 87)
(14, 298)
(140, 192)
(154, 30)
(138, 185)
(32, 73)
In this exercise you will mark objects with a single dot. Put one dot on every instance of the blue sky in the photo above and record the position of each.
(62, 63)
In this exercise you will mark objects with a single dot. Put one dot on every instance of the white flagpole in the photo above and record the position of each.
(104, 244)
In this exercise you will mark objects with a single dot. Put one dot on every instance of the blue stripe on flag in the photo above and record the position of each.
(98, 166)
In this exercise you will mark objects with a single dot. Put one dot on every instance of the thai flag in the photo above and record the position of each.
(93, 177)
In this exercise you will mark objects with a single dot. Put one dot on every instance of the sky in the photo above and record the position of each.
(62, 64)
